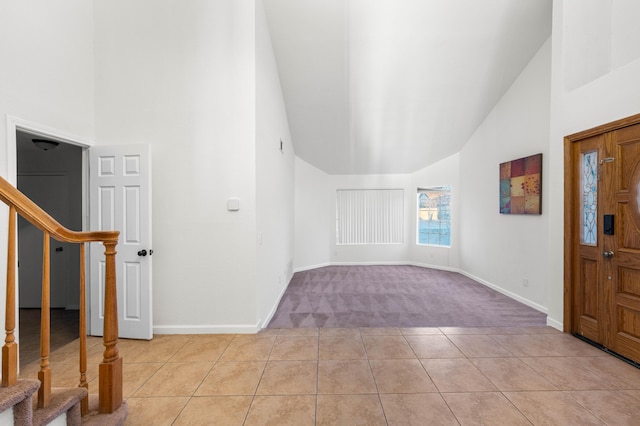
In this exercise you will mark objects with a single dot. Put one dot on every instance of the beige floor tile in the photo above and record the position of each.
(387, 347)
(341, 347)
(420, 330)
(154, 411)
(479, 346)
(248, 348)
(232, 378)
(500, 330)
(484, 408)
(293, 410)
(289, 377)
(623, 375)
(569, 373)
(62, 375)
(349, 410)
(543, 329)
(268, 332)
(401, 376)
(298, 332)
(175, 379)
(214, 411)
(335, 332)
(345, 376)
(526, 345)
(457, 375)
(434, 346)
(205, 348)
(416, 410)
(301, 348)
(551, 408)
(380, 331)
(634, 393)
(612, 407)
(568, 345)
(136, 375)
(511, 374)
(461, 330)
(160, 349)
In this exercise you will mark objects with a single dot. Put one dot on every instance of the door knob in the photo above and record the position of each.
(144, 253)
(607, 254)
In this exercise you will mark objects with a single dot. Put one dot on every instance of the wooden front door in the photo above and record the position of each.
(602, 239)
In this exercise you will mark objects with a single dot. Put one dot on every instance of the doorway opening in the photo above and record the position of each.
(52, 176)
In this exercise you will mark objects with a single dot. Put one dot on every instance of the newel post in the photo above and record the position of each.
(110, 373)
(10, 348)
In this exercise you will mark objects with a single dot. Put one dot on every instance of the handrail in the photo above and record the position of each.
(110, 370)
(29, 210)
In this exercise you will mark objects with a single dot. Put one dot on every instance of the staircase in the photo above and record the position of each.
(36, 402)
(17, 407)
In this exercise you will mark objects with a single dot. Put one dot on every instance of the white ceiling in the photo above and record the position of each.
(391, 86)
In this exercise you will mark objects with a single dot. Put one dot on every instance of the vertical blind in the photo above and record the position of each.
(370, 216)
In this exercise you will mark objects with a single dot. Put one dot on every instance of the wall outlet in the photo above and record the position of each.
(525, 282)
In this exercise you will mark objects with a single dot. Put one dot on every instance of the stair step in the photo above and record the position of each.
(19, 397)
(116, 418)
(63, 400)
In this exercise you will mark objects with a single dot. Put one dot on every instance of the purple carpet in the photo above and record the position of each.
(395, 296)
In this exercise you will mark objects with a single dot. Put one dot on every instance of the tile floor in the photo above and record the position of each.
(368, 376)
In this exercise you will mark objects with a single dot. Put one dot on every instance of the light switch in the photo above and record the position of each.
(233, 204)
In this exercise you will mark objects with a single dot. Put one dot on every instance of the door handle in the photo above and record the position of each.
(607, 254)
(144, 253)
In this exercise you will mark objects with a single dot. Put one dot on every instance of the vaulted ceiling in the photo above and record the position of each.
(392, 86)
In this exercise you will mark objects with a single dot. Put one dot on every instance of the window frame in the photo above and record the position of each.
(447, 190)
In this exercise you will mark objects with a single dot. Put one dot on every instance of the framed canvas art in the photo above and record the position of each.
(521, 186)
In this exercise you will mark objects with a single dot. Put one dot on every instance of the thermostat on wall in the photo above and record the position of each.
(233, 204)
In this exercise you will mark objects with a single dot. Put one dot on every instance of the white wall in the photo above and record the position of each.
(375, 253)
(581, 102)
(501, 250)
(274, 178)
(181, 77)
(313, 217)
(444, 172)
(46, 77)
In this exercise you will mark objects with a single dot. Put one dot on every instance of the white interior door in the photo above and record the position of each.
(120, 199)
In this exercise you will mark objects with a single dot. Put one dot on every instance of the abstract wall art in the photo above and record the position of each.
(521, 186)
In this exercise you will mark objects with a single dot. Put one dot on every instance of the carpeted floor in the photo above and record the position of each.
(395, 296)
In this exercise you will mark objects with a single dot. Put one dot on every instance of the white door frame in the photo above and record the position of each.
(15, 124)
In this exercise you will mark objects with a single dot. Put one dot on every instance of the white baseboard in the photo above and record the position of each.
(206, 329)
(391, 263)
(439, 267)
(514, 296)
(263, 324)
(308, 268)
(558, 325)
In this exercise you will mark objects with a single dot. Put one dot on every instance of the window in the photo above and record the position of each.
(369, 216)
(434, 216)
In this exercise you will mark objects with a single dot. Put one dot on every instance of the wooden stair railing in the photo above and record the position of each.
(110, 370)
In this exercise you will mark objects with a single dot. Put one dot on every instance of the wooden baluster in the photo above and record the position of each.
(44, 375)
(10, 348)
(83, 334)
(110, 372)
